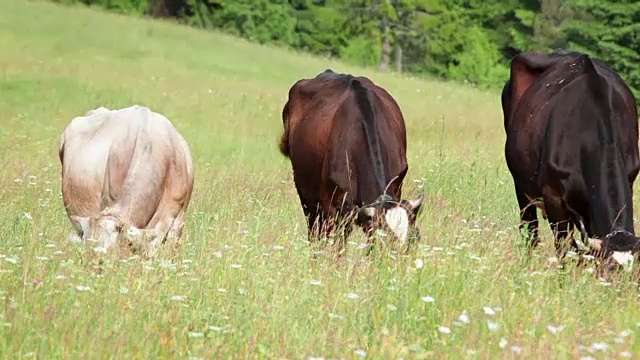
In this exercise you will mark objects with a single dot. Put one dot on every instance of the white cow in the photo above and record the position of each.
(127, 175)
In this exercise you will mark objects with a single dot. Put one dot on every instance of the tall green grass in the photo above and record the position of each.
(245, 284)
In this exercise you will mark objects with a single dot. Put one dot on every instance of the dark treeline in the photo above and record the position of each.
(470, 40)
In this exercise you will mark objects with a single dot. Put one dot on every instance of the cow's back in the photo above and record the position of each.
(327, 144)
(533, 94)
(527, 111)
(119, 159)
(85, 145)
(308, 117)
(351, 160)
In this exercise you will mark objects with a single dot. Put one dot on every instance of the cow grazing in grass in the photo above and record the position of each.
(127, 177)
(572, 149)
(346, 139)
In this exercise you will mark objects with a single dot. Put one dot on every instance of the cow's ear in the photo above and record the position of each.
(595, 244)
(366, 214)
(81, 224)
(416, 204)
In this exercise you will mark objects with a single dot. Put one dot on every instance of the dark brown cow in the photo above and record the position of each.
(572, 149)
(346, 140)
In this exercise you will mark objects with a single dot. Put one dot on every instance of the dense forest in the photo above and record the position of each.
(466, 40)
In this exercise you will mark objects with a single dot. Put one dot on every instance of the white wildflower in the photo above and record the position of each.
(361, 353)
(217, 328)
(419, 263)
(124, 290)
(503, 343)
(555, 329)
(83, 288)
(464, 318)
(11, 260)
(195, 334)
(492, 326)
(489, 311)
(391, 307)
(625, 354)
(444, 330)
(178, 298)
(352, 296)
(599, 346)
(236, 266)
(516, 349)
(315, 282)
(428, 299)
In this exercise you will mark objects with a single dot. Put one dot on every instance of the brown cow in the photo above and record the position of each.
(572, 149)
(346, 139)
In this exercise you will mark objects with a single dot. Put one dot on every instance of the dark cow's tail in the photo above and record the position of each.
(365, 104)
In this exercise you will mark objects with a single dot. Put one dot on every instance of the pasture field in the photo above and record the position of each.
(245, 284)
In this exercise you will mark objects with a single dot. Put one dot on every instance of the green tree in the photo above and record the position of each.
(263, 21)
(320, 27)
(609, 31)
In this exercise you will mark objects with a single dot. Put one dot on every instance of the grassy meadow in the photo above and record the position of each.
(245, 284)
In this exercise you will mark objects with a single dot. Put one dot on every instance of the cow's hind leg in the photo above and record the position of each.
(175, 231)
(168, 231)
(315, 222)
(343, 225)
(320, 227)
(561, 231)
(560, 223)
(149, 241)
(528, 219)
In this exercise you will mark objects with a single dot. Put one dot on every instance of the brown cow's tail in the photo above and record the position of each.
(284, 138)
(365, 103)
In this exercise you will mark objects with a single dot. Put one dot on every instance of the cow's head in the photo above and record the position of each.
(392, 218)
(101, 232)
(104, 231)
(617, 250)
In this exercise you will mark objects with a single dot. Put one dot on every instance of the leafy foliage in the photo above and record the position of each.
(610, 31)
